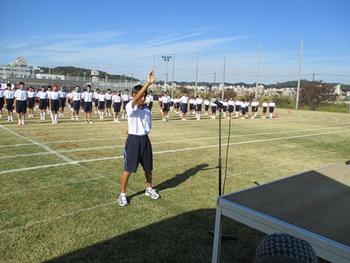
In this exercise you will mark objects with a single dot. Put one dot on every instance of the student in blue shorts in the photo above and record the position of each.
(138, 148)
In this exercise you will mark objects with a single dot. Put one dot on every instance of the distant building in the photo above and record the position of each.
(50, 76)
(17, 69)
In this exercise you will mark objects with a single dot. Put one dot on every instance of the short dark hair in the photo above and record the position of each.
(9, 85)
(136, 89)
(21, 83)
(88, 86)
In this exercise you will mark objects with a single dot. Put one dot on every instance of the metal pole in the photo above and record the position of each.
(257, 71)
(223, 79)
(154, 62)
(173, 75)
(299, 73)
(195, 84)
(166, 75)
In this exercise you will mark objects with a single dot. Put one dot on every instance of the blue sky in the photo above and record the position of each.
(124, 36)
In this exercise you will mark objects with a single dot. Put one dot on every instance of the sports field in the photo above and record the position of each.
(59, 185)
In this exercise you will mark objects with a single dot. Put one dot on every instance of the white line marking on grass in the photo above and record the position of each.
(50, 186)
(39, 222)
(64, 158)
(61, 156)
(163, 142)
(171, 151)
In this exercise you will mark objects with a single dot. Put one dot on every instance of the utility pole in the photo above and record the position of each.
(195, 84)
(300, 72)
(214, 81)
(223, 79)
(257, 71)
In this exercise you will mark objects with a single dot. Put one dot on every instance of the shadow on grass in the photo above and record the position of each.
(183, 238)
(176, 180)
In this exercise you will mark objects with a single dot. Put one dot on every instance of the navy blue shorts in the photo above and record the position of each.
(124, 104)
(31, 103)
(62, 102)
(184, 107)
(199, 107)
(101, 105)
(166, 107)
(9, 104)
(21, 106)
(2, 103)
(117, 106)
(76, 105)
(88, 106)
(55, 106)
(138, 150)
(108, 103)
(42, 104)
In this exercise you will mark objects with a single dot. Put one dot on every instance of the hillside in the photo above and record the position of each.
(74, 71)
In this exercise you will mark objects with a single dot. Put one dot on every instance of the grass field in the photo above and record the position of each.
(59, 185)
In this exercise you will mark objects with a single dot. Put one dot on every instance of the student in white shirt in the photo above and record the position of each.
(108, 98)
(264, 105)
(206, 106)
(238, 108)
(244, 108)
(117, 104)
(54, 103)
(126, 99)
(87, 96)
(49, 89)
(224, 108)
(2, 101)
(31, 102)
(149, 100)
(138, 148)
(231, 107)
(101, 104)
(9, 96)
(20, 102)
(184, 106)
(70, 99)
(42, 96)
(213, 107)
(62, 100)
(96, 92)
(191, 103)
(76, 99)
(272, 106)
(177, 104)
(198, 107)
(255, 108)
(166, 106)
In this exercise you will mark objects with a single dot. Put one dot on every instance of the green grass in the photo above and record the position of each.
(69, 213)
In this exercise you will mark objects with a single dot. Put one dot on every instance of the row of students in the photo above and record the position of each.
(54, 100)
(231, 108)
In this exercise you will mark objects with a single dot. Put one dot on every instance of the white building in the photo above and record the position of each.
(50, 76)
(17, 69)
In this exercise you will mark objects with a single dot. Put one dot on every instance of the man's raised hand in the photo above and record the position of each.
(151, 77)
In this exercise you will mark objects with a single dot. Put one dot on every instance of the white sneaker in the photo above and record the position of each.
(152, 193)
(122, 201)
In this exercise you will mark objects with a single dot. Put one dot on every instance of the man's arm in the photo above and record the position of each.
(150, 80)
